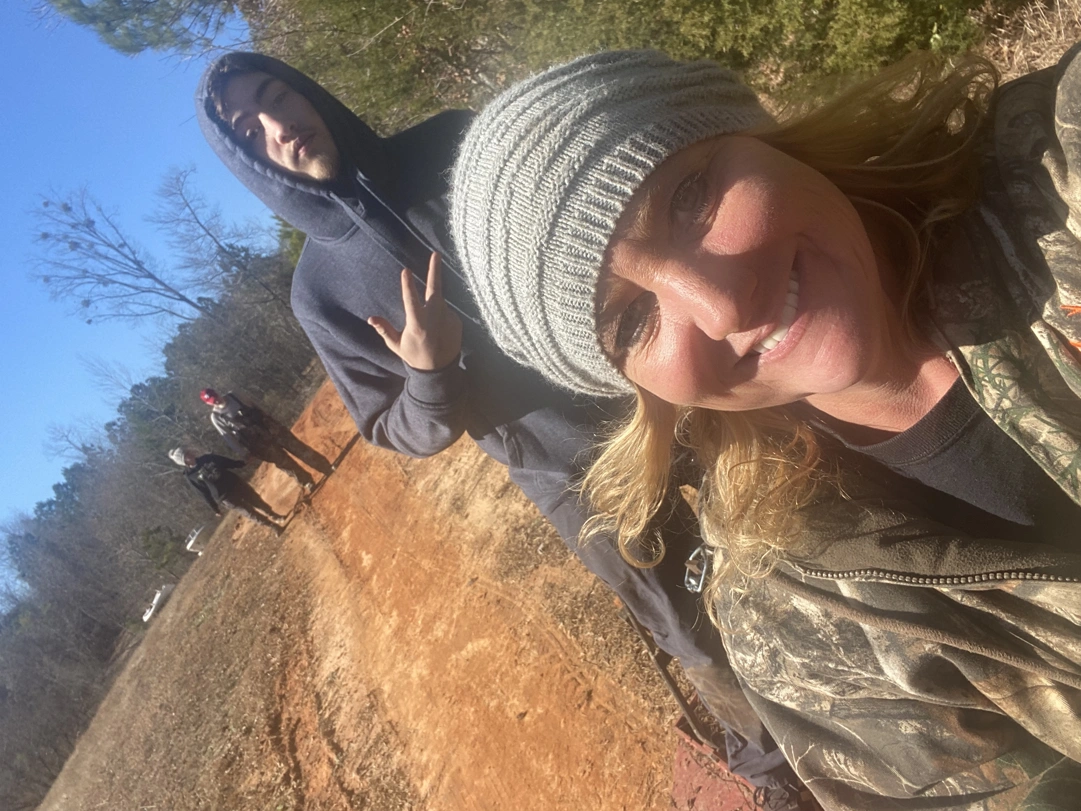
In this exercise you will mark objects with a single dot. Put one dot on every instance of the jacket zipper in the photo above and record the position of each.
(940, 580)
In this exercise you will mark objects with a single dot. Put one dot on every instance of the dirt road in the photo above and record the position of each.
(418, 638)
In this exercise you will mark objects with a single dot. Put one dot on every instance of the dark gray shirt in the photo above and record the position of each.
(958, 452)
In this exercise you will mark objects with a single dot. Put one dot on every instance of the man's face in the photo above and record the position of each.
(280, 126)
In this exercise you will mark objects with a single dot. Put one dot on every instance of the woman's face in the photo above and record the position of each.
(740, 278)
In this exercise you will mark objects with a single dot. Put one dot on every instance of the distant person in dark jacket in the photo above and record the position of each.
(247, 429)
(213, 477)
(414, 364)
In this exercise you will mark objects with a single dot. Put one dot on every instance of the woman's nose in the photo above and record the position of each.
(709, 296)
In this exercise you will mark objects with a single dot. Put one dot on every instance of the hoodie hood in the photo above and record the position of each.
(372, 173)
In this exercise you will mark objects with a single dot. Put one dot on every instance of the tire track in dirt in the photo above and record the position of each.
(446, 653)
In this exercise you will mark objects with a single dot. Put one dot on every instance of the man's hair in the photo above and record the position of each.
(223, 73)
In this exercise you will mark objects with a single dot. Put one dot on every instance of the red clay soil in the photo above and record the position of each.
(419, 638)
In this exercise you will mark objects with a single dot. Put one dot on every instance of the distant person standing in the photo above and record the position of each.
(213, 477)
(247, 429)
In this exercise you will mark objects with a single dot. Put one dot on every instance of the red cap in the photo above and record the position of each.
(209, 396)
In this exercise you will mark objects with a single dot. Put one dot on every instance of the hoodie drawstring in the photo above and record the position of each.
(359, 218)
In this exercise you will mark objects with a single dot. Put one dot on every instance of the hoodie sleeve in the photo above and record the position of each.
(414, 412)
(224, 462)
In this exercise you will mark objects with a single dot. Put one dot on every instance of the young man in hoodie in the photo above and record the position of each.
(417, 369)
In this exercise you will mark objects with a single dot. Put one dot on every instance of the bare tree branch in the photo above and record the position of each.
(213, 253)
(87, 260)
(75, 441)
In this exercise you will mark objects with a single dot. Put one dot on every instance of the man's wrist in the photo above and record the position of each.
(436, 386)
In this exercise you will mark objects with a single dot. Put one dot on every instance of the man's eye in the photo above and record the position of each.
(278, 99)
(249, 134)
(691, 203)
(635, 323)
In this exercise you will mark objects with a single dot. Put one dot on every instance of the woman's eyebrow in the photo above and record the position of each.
(606, 314)
(642, 211)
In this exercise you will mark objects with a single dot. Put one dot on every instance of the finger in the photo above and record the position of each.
(391, 337)
(410, 298)
(434, 289)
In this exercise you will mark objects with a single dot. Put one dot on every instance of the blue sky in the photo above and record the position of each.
(80, 114)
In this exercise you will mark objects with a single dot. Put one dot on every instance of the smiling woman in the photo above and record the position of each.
(859, 321)
(757, 274)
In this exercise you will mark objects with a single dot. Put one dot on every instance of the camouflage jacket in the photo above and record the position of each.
(901, 663)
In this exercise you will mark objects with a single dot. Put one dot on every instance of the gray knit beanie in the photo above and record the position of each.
(542, 178)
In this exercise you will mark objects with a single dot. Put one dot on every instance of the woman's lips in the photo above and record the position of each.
(788, 315)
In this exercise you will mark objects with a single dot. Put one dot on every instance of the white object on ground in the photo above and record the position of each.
(160, 597)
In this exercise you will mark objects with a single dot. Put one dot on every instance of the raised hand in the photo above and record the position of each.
(432, 336)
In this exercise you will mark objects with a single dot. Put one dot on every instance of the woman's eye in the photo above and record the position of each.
(278, 99)
(691, 203)
(251, 133)
(635, 322)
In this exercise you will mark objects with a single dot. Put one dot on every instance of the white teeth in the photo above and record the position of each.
(788, 315)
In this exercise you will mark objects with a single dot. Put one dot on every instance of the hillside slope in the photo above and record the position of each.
(418, 638)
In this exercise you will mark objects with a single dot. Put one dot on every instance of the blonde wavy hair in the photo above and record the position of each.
(902, 147)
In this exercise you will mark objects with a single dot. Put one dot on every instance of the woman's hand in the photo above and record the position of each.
(432, 336)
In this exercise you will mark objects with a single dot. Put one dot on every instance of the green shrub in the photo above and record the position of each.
(401, 60)
(163, 546)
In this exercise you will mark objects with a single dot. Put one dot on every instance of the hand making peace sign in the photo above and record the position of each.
(432, 336)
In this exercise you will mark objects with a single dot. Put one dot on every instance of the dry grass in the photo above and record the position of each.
(1034, 37)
